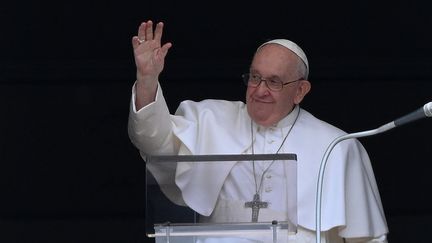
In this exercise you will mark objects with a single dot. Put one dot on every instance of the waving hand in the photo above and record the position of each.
(149, 59)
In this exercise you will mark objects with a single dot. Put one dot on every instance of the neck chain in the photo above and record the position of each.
(258, 186)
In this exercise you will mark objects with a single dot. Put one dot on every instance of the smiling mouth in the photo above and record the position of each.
(261, 101)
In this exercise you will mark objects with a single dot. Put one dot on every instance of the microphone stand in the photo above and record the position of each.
(323, 164)
(426, 111)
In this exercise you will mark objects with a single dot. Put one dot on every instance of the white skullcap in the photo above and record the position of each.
(292, 47)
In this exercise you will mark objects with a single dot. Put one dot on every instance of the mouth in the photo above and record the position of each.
(258, 100)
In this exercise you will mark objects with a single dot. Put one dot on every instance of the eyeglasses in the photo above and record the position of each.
(254, 80)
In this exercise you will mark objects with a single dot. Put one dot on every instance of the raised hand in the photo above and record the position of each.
(149, 59)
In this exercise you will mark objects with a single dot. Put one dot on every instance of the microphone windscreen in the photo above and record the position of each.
(428, 109)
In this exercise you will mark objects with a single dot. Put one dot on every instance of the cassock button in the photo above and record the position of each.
(268, 176)
(271, 141)
(268, 189)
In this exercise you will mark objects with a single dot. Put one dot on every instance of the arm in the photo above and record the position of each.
(149, 57)
(149, 126)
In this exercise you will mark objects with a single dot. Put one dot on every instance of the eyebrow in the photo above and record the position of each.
(272, 77)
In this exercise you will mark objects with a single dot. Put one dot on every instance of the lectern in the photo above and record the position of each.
(167, 222)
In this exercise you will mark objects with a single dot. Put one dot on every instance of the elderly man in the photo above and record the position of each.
(272, 122)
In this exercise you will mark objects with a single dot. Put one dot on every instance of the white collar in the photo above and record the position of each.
(287, 121)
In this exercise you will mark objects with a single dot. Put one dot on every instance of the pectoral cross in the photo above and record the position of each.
(256, 204)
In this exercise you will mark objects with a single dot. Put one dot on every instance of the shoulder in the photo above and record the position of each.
(219, 111)
(213, 104)
(322, 133)
(210, 105)
(316, 125)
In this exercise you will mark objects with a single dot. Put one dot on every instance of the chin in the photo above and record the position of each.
(262, 119)
(264, 123)
(261, 115)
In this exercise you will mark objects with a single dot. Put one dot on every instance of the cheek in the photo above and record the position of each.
(249, 93)
(286, 100)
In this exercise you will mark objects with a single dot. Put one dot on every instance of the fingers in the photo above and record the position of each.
(143, 29)
(135, 42)
(158, 32)
(146, 33)
(164, 50)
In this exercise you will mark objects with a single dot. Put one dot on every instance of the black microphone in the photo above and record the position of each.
(425, 111)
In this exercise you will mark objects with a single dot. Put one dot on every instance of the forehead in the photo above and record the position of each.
(274, 58)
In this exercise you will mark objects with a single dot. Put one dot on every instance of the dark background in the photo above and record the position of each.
(68, 172)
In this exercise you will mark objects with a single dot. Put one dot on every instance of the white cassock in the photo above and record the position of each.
(351, 205)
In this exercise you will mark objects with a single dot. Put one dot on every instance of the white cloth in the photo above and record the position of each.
(351, 200)
(278, 187)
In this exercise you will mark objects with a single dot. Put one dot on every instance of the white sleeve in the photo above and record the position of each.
(150, 128)
(151, 131)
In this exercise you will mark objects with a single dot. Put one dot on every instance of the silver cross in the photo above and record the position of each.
(256, 204)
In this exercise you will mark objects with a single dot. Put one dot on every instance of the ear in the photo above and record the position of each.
(303, 88)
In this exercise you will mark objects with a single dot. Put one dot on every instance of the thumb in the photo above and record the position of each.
(164, 49)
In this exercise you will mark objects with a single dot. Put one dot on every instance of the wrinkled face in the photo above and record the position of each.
(275, 62)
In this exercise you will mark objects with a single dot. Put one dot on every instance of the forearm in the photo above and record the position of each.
(145, 94)
(150, 128)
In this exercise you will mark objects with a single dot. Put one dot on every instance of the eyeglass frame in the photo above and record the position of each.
(247, 76)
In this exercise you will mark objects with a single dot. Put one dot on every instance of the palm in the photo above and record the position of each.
(149, 58)
(148, 51)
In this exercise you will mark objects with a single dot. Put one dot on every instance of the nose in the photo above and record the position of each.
(262, 88)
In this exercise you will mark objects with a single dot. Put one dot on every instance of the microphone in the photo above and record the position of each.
(425, 111)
